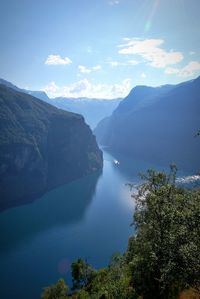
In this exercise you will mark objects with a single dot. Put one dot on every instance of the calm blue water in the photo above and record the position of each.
(88, 218)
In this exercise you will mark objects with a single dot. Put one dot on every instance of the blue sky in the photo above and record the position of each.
(98, 48)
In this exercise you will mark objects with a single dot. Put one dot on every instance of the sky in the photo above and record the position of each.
(98, 48)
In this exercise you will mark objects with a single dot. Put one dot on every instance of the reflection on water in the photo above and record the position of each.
(60, 206)
(88, 218)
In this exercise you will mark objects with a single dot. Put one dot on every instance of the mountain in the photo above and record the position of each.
(93, 110)
(157, 124)
(41, 147)
(9, 84)
(38, 94)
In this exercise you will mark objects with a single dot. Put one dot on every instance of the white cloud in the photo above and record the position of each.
(171, 70)
(115, 63)
(52, 88)
(133, 62)
(189, 70)
(84, 88)
(118, 63)
(96, 68)
(57, 60)
(84, 70)
(150, 50)
(113, 2)
(143, 75)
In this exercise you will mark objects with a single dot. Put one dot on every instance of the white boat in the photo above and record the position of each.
(116, 162)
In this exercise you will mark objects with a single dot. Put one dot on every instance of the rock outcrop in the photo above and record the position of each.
(41, 147)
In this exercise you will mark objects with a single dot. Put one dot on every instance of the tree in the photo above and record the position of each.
(81, 273)
(164, 255)
(107, 283)
(56, 291)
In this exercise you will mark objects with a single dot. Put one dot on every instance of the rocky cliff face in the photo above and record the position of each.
(41, 147)
(157, 124)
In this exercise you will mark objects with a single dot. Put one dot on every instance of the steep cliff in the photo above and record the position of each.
(41, 147)
(157, 124)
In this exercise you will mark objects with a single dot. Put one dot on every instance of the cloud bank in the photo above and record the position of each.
(84, 70)
(150, 50)
(84, 88)
(189, 70)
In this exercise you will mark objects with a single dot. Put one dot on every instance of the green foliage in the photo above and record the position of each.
(82, 273)
(112, 282)
(56, 291)
(164, 255)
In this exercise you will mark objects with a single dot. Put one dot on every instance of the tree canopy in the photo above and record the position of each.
(164, 254)
(56, 291)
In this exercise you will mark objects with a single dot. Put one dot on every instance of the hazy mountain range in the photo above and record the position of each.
(158, 124)
(93, 110)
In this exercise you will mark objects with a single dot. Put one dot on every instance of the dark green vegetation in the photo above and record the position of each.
(162, 258)
(157, 124)
(59, 290)
(41, 147)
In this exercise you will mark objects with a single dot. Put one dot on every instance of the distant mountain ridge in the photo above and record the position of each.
(38, 94)
(41, 147)
(157, 124)
(92, 109)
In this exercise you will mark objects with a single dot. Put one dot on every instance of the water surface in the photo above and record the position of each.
(88, 218)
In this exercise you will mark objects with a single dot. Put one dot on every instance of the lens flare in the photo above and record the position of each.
(149, 22)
